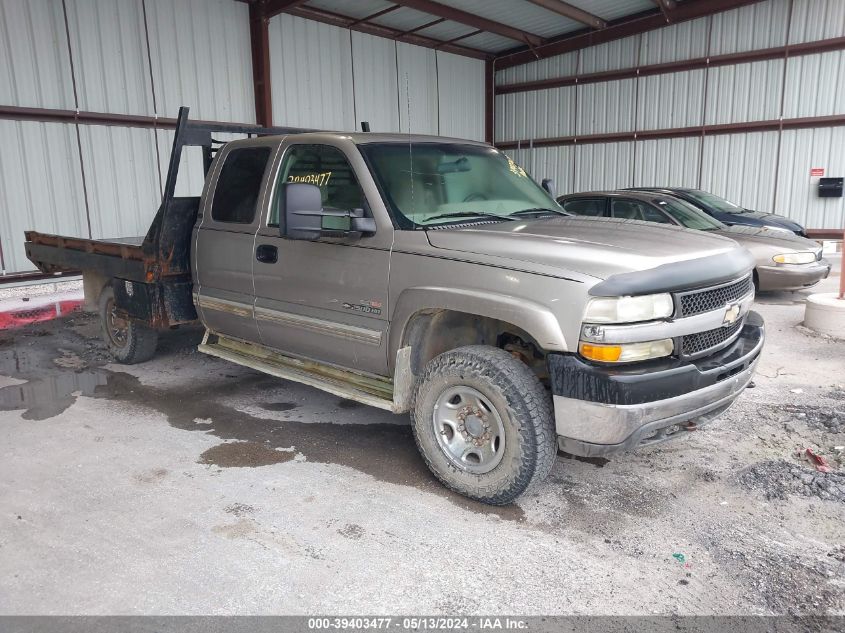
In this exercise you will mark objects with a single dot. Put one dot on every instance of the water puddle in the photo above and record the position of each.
(384, 451)
(244, 455)
(46, 393)
(278, 406)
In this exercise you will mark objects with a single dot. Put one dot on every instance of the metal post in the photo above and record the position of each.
(259, 37)
(842, 270)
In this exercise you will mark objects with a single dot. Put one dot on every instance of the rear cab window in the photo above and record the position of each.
(239, 185)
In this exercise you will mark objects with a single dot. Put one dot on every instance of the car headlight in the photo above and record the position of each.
(628, 309)
(795, 258)
(627, 353)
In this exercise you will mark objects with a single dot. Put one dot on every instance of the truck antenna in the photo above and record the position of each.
(410, 145)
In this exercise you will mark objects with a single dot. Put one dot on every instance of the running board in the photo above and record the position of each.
(363, 388)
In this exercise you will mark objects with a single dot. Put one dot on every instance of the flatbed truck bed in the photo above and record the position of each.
(150, 275)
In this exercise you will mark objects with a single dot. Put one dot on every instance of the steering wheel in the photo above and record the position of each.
(475, 196)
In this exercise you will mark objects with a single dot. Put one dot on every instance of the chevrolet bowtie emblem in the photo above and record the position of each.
(731, 314)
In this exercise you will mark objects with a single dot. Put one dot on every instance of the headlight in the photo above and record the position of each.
(628, 309)
(795, 258)
(626, 353)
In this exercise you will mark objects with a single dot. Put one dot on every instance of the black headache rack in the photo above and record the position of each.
(151, 277)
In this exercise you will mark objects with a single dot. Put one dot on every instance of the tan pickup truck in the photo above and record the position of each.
(434, 276)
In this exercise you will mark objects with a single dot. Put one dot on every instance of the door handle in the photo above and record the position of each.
(267, 254)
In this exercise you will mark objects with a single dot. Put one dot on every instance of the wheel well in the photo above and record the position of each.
(430, 333)
(93, 283)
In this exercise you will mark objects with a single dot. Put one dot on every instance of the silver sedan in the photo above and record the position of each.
(784, 261)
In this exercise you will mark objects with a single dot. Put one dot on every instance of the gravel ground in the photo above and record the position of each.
(187, 485)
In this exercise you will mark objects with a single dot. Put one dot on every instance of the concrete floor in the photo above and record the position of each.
(187, 485)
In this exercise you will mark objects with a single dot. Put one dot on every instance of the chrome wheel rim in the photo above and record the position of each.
(468, 429)
(117, 328)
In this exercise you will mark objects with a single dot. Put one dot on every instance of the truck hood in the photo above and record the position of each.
(750, 235)
(598, 247)
(762, 218)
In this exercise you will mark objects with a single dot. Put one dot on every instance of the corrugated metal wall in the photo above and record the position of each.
(198, 55)
(332, 78)
(149, 57)
(769, 171)
(39, 185)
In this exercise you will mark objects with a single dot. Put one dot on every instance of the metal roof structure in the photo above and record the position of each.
(511, 32)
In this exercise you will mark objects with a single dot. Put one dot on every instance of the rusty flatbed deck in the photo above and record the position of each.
(120, 257)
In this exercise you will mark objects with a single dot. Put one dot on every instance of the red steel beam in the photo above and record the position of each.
(644, 135)
(688, 10)
(422, 27)
(473, 20)
(259, 38)
(269, 8)
(573, 13)
(343, 21)
(666, 6)
(489, 100)
(463, 37)
(842, 269)
(777, 52)
(825, 234)
(377, 14)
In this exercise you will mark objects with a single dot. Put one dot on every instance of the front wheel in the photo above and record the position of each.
(484, 424)
(129, 342)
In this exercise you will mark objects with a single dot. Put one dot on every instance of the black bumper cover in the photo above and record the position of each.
(573, 377)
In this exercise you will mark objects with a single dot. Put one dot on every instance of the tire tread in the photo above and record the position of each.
(528, 403)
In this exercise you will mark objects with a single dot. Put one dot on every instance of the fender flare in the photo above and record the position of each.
(535, 319)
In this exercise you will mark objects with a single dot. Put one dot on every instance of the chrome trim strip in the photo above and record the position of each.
(658, 330)
(320, 326)
(224, 305)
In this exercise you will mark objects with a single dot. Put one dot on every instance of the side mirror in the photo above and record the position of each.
(306, 219)
(549, 185)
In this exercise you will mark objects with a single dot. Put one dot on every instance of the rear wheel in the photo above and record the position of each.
(484, 424)
(129, 342)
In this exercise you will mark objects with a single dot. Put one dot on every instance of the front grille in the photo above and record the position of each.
(693, 344)
(713, 298)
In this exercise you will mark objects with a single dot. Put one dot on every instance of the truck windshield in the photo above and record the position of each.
(715, 202)
(429, 184)
(687, 215)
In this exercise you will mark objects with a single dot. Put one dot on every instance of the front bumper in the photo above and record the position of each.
(792, 276)
(602, 410)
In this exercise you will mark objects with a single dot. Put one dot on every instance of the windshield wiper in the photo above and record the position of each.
(541, 211)
(467, 214)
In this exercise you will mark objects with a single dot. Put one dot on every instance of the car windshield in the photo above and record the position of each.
(687, 215)
(714, 202)
(429, 184)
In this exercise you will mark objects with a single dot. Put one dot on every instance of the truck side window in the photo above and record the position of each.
(327, 168)
(239, 184)
(589, 206)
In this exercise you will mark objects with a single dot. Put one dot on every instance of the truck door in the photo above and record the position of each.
(324, 300)
(225, 237)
